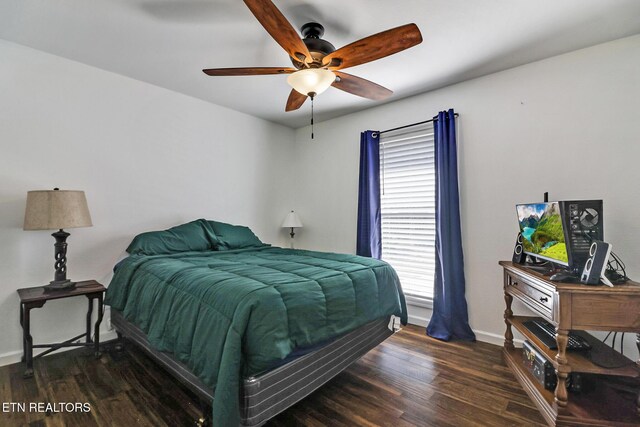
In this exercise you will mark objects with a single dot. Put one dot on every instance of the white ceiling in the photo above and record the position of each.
(169, 42)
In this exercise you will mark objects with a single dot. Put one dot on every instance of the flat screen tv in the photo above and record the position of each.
(543, 232)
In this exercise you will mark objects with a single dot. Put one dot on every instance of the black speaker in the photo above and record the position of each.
(596, 264)
(519, 257)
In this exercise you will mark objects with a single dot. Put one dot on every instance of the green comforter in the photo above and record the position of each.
(231, 314)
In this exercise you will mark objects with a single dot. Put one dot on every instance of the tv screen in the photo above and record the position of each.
(542, 231)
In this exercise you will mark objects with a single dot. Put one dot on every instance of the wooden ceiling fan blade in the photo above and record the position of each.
(255, 71)
(295, 101)
(279, 28)
(361, 87)
(374, 47)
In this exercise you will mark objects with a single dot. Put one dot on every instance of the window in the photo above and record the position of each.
(407, 195)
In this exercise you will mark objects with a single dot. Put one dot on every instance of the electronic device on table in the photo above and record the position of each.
(538, 366)
(596, 265)
(562, 233)
(544, 372)
(546, 333)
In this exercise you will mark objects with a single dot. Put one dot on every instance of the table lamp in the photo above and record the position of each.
(54, 210)
(292, 221)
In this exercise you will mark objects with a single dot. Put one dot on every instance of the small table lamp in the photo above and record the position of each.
(292, 221)
(54, 210)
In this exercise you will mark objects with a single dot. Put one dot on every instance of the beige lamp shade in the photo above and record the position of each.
(292, 221)
(56, 209)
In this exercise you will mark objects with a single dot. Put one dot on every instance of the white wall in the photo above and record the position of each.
(150, 158)
(568, 125)
(147, 158)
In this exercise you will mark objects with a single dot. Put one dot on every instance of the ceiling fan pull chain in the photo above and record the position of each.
(311, 95)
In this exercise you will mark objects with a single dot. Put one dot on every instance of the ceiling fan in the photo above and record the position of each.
(317, 62)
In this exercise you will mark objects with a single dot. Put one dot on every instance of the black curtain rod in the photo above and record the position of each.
(412, 124)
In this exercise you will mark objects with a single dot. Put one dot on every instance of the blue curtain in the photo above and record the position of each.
(450, 319)
(369, 241)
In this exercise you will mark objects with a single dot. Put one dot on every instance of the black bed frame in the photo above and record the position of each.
(267, 394)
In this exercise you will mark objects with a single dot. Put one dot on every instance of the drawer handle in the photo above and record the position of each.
(544, 299)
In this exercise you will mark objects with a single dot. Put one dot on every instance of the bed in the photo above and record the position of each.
(253, 327)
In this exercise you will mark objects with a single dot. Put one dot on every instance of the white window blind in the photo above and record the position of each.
(407, 192)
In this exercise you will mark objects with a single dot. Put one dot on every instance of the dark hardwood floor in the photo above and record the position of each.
(409, 380)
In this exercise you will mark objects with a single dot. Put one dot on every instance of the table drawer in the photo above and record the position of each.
(537, 298)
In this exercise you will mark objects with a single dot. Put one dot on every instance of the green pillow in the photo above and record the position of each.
(233, 236)
(192, 236)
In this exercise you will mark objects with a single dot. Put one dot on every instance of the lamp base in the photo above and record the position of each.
(59, 285)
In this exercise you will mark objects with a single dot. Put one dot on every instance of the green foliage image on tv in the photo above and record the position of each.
(542, 231)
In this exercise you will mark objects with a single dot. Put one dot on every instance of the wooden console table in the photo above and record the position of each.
(613, 399)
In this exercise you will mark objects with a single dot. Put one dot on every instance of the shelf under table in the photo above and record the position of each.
(609, 403)
(578, 360)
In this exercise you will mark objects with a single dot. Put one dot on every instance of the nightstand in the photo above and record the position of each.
(37, 297)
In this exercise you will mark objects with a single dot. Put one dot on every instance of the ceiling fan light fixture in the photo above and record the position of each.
(311, 80)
